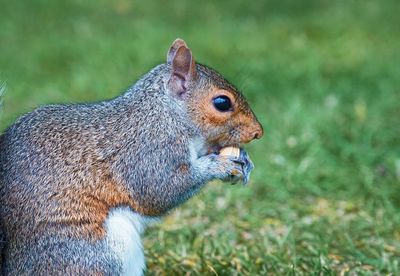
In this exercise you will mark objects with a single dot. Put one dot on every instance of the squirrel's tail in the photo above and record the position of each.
(2, 244)
(2, 235)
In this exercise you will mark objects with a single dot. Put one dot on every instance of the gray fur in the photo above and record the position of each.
(141, 140)
(2, 236)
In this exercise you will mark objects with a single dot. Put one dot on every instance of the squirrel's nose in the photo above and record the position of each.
(252, 130)
(255, 133)
(258, 133)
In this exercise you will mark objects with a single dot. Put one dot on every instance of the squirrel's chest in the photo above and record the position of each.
(124, 228)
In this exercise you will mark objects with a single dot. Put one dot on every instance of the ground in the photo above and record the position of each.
(322, 77)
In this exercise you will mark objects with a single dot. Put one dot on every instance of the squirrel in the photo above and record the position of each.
(80, 182)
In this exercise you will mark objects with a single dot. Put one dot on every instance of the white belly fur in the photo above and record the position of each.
(124, 228)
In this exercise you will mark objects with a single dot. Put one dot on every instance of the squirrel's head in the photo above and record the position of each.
(217, 108)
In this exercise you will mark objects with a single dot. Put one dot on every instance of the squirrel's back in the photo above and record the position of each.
(43, 148)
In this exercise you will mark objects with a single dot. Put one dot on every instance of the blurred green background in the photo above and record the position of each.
(322, 76)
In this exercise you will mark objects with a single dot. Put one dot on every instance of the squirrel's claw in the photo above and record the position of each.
(247, 166)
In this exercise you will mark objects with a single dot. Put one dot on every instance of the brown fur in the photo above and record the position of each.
(232, 128)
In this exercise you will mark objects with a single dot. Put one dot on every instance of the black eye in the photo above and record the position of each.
(222, 103)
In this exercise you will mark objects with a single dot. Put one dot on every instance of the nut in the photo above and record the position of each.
(230, 151)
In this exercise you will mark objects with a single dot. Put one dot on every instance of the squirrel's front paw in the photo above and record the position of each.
(228, 168)
(238, 157)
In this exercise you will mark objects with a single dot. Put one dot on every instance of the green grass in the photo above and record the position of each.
(322, 76)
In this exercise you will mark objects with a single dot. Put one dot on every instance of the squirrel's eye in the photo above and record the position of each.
(222, 103)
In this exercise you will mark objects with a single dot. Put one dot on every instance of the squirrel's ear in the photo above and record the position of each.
(175, 46)
(183, 70)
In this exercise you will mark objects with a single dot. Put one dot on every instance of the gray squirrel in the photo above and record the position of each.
(80, 182)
